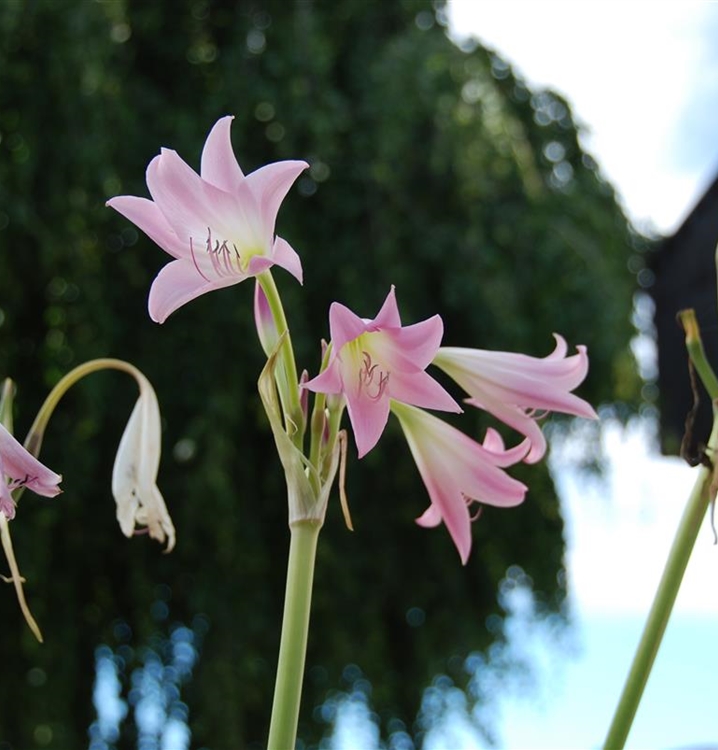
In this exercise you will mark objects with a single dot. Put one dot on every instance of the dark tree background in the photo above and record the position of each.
(433, 168)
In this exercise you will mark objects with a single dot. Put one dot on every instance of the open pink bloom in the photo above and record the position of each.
(458, 472)
(375, 361)
(218, 225)
(23, 470)
(517, 388)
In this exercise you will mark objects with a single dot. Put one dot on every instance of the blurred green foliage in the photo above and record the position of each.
(433, 168)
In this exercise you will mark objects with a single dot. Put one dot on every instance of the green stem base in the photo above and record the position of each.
(295, 630)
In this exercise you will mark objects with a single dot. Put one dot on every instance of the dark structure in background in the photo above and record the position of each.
(685, 276)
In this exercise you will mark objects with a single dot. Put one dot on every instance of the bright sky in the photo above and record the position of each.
(641, 75)
(642, 78)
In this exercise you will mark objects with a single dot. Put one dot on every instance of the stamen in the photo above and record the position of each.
(224, 263)
(367, 375)
(194, 260)
(15, 483)
(536, 413)
(470, 501)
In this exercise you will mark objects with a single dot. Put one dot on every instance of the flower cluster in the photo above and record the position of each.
(219, 228)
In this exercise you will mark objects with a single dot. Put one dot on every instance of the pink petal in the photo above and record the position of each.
(561, 348)
(420, 389)
(194, 207)
(455, 468)
(421, 340)
(285, 256)
(7, 506)
(388, 316)
(24, 469)
(344, 325)
(328, 381)
(516, 418)
(529, 382)
(430, 518)
(147, 216)
(219, 164)
(270, 185)
(176, 284)
(494, 444)
(368, 417)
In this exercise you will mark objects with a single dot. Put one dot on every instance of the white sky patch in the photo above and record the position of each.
(620, 528)
(632, 74)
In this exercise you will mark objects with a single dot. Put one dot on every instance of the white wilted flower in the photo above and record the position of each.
(134, 476)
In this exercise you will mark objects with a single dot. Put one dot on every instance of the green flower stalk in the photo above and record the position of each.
(703, 494)
(18, 469)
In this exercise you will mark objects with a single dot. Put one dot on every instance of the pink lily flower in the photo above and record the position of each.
(375, 361)
(458, 472)
(218, 225)
(23, 470)
(518, 389)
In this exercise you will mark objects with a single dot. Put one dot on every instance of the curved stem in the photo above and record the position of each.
(295, 630)
(33, 441)
(663, 603)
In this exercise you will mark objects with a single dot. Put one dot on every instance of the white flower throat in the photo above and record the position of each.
(225, 260)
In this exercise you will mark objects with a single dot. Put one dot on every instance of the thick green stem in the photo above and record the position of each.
(662, 604)
(696, 352)
(295, 630)
(287, 379)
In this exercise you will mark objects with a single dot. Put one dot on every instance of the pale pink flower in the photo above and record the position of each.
(218, 225)
(22, 469)
(375, 361)
(518, 389)
(459, 472)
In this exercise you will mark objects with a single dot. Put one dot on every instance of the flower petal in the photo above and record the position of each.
(388, 316)
(516, 418)
(368, 417)
(344, 326)
(147, 216)
(455, 470)
(134, 474)
(176, 284)
(22, 467)
(421, 339)
(430, 518)
(529, 382)
(285, 256)
(420, 389)
(270, 185)
(193, 207)
(7, 506)
(218, 163)
(328, 381)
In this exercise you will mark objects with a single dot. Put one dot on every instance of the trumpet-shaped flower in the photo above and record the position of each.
(19, 468)
(459, 471)
(373, 362)
(517, 388)
(218, 225)
(134, 475)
